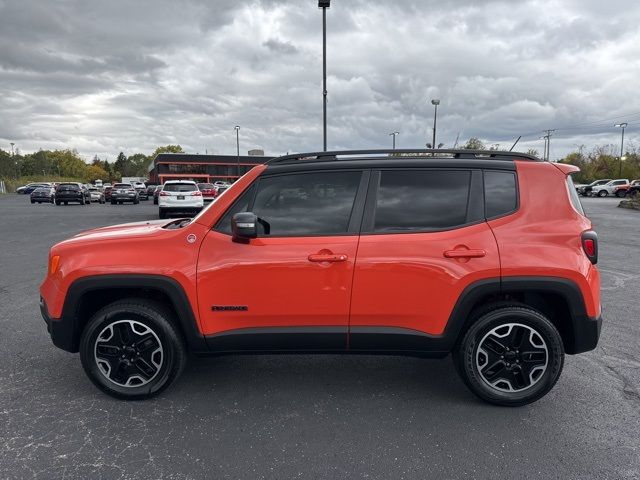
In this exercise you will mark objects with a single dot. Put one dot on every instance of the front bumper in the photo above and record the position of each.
(62, 332)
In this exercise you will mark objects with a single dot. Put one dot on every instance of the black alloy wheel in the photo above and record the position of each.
(510, 356)
(131, 349)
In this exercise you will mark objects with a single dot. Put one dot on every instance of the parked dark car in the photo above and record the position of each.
(142, 192)
(107, 193)
(72, 192)
(150, 189)
(585, 190)
(634, 189)
(43, 195)
(27, 189)
(124, 192)
(156, 194)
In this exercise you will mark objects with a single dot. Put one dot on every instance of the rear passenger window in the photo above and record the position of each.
(500, 196)
(421, 200)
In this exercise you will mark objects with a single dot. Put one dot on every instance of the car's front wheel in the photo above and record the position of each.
(603, 193)
(510, 356)
(130, 349)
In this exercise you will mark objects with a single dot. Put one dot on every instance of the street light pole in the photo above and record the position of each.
(393, 134)
(435, 102)
(237, 128)
(623, 126)
(324, 4)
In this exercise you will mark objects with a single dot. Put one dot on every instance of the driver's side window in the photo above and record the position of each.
(299, 204)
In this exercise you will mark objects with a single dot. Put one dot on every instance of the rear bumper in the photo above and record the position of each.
(586, 333)
(61, 331)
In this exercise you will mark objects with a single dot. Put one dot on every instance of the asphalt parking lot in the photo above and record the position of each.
(308, 416)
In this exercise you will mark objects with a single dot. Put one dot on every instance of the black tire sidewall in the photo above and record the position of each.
(154, 317)
(466, 355)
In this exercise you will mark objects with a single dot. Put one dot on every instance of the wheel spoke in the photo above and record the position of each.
(147, 342)
(494, 345)
(106, 351)
(534, 357)
(494, 371)
(147, 371)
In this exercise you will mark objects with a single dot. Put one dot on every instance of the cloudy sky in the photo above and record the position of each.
(104, 76)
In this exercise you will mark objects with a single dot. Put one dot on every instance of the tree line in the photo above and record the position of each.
(69, 165)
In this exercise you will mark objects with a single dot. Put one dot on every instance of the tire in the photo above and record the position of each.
(57, 203)
(102, 201)
(603, 193)
(155, 201)
(66, 203)
(162, 214)
(113, 202)
(33, 201)
(621, 193)
(154, 339)
(514, 381)
(136, 202)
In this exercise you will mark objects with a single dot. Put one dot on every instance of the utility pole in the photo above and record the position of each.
(237, 128)
(547, 143)
(393, 134)
(435, 102)
(623, 126)
(324, 4)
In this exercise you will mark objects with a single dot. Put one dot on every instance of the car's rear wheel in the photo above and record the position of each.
(621, 193)
(510, 356)
(130, 349)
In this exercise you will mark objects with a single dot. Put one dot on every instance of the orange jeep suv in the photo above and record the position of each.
(487, 256)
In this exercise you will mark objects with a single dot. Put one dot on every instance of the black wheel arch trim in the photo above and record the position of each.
(65, 331)
(584, 331)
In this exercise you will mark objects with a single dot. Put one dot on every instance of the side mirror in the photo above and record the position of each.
(244, 227)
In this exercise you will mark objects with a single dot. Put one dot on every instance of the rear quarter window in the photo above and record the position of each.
(500, 193)
(573, 196)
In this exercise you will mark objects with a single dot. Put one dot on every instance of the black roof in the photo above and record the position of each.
(358, 159)
(385, 154)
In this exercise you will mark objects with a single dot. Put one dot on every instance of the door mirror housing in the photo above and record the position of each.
(244, 227)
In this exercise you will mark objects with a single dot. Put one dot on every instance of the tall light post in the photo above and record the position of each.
(435, 102)
(622, 126)
(393, 134)
(324, 4)
(237, 128)
(12, 144)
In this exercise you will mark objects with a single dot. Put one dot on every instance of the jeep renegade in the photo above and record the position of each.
(405, 252)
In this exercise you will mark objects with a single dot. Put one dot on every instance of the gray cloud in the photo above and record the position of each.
(109, 76)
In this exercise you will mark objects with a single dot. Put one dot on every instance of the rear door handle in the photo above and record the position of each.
(464, 253)
(327, 257)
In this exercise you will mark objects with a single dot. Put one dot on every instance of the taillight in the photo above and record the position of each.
(164, 194)
(590, 245)
(197, 194)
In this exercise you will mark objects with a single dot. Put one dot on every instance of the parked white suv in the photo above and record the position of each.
(179, 196)
(609, 188)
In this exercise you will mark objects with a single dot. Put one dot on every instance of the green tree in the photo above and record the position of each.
(473, 144)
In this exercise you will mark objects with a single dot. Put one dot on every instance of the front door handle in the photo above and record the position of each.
(327, 257)
(464, 253)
